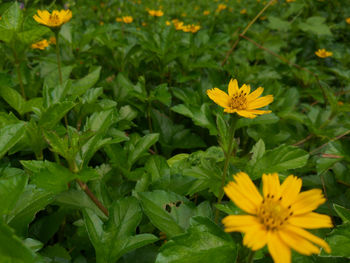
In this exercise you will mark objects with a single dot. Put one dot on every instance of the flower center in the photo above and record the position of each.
(272, 213)
(239, 101)
(55, 19)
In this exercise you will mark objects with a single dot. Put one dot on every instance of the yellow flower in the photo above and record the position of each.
(155, 12)
(52, 40)
(240, 100)
(168, 23)
(243, 11)
(56, 19)
(206, 12)
(221, 7)
(191, 28)
(125, 19)
(40, 45)
(178, 24)
(290, 1)
(347, 20)
(322, 53)
(278, 218)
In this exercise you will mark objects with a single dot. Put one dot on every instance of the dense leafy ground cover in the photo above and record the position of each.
(112, 151)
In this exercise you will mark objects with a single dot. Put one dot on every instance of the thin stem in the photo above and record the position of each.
(59, 68)
(228, 154)
(19, 74)
(245, 31)
(73, 168)
(250, 257)
(58, 57)
(90, 194)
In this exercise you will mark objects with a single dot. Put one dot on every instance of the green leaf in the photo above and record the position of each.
(342, 212)
(9, 136)
(12, 184)
(204, 242)
(201, 117)
(258, 151)
(261, 120)
(167, 211)
(80, 86)
(12, 18)
(53, 115)
(30, 36)
(31, 201)
(13, 98)
(142, 146)
(12, 249)
(162, 94)
(117, 236)
(278, 24)
(49, 176)
(78, 200)
(315, 25)
(222, 130)
(339, 241)
(280, 159)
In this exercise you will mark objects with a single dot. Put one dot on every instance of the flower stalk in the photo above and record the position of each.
(228, 153)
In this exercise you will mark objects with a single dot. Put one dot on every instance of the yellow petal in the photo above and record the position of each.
(307, 201)
(240, 223)
(39, 20)
(256, 237)
(271, 185)
(290, 189)
(279, 251)
(240, 198)
(219, 97)
(305, 234)
(298, 243)
(259, 112)
(259, 102)
(232, 87)
(245, 89)
(255, 94)
(244, 182)
(246, 114)
(311, 221)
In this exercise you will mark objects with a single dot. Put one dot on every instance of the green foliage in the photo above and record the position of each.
(120, 156)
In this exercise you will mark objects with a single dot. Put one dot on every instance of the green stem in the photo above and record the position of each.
(228, 153)
(59, 68)
(58, 57)
(250, 257)
(19, 74)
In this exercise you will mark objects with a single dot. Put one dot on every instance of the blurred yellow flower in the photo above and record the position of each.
(277, 218)
(40, 44)
(347, 20)
(178, 24)
(206, 12)
(191, 28)
(221, 7)
(290, 1)
(144, 24)
(243, 11)
(322, 53)
(240, 100)
(125, 19)
(52, 40)
(155, 12)
(56, 19)
(168, 23)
